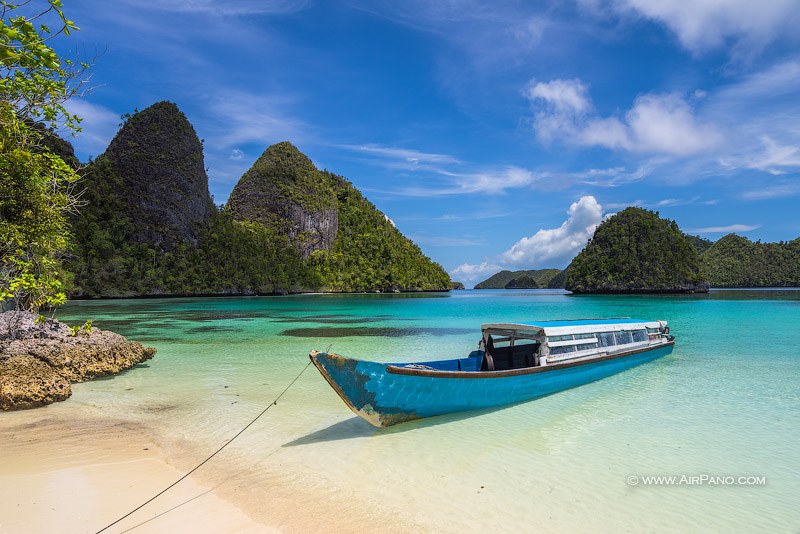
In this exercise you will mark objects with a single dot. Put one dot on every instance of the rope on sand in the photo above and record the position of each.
(198, 466)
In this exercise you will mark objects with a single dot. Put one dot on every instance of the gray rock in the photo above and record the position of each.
(38, 361)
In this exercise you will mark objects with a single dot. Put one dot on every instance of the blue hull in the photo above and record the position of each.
(386, 394)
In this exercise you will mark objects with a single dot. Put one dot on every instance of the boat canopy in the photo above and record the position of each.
(576, 326)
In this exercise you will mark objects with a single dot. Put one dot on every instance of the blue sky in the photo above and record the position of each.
(494, 134)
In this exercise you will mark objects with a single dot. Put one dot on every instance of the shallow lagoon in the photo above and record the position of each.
(725, 403)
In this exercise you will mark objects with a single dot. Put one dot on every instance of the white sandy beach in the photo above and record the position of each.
(79, 476)
(64, 473)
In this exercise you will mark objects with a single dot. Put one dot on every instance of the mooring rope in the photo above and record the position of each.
(198, 466)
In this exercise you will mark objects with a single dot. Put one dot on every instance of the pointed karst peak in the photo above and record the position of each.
(284, 187)
(159, 158)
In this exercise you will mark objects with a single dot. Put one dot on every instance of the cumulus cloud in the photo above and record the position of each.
(546, 248)
(470, 272)
(656, 123)
(558, 245)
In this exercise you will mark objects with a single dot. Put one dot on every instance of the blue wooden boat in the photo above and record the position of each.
(514, 362)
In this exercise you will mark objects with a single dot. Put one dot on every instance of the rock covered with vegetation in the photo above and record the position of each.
(522, 282)
(636, 251)
(288, 227)
(39, 358)
(735, 261)
(500, 280)
(155, 163)
(284, 190)
(558, 281)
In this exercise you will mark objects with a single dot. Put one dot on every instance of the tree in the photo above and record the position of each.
(37, 188)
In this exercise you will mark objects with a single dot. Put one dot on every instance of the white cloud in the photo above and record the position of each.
(655, 124)
(724, 229)
(240, 117)
(704, 25)
(406, 155)
(99, 126)
(773, 191)
(236, 155)
(546, 248)
(469, 272)
(564, 95)
(558, 245)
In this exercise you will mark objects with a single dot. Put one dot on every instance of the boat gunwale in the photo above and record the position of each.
(433, 373)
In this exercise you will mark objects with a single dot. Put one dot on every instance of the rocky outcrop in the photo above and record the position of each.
(39, 361)
(636, 251)
(159, 161)
(283, 188)
(27, 382)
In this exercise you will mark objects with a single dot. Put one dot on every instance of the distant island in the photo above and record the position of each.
(149, 226)
(525, 279)
(637, 251)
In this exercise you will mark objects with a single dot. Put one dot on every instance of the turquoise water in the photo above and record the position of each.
(724, 404)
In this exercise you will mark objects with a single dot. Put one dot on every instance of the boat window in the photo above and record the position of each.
(606, 339)
(584, 336)
(639, 335)
(623, 337)
(652, 330)
(587, 346)
(562, 350)
(567, 337)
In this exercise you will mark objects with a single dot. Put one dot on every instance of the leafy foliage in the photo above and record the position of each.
(36, 185)
(735, 261)
(637, 251)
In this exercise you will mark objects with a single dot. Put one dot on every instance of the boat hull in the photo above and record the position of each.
(386, 394)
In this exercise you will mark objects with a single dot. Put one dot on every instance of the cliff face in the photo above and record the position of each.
(284, 188)
(636, 251)
(159, 162)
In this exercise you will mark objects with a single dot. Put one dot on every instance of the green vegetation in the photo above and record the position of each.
(558, 281)
(700, 244)
(149, 227)
(636, 251)
(523, 282)
(369, 253)
(36, 185)
(735, 261)
(541, 278)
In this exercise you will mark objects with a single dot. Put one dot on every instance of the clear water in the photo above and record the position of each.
(725, 403)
